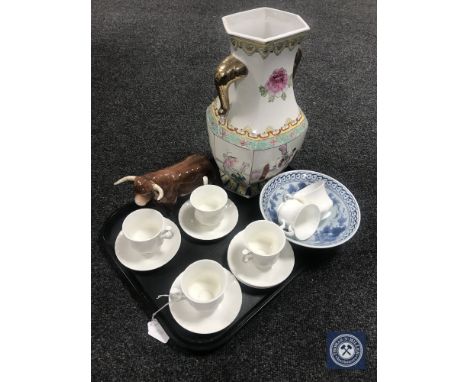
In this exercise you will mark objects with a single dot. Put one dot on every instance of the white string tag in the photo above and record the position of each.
(155, 330)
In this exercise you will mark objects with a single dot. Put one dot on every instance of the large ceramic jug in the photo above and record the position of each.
(255, 126)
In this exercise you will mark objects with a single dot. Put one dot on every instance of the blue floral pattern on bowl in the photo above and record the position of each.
(338, 228)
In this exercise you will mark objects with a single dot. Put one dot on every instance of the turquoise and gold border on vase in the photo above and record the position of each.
(244, 138)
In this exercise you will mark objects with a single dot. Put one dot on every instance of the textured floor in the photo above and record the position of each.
(152, 76)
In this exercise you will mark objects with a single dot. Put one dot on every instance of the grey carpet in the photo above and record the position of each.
(152, 78)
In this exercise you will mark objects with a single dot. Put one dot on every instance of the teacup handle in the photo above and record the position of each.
(167, 233)
(246, 255)
(287, 231)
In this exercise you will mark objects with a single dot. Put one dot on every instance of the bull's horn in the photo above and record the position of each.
(159, 190)
(129, 178)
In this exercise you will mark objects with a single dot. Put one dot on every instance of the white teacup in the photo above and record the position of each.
(298, 219)
(203, 284)
(316, 193)
(209, 202)
(263, 241)
(145, 230)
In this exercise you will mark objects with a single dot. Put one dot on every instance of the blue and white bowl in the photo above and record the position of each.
(335, 230)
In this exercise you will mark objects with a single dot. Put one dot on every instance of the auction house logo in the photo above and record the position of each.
(345, 350)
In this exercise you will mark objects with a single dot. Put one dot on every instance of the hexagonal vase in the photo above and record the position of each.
(255, 126)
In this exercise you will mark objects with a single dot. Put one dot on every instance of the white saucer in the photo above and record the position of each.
(250, 275)
(200, 322)
(139, 262)
(199, 231)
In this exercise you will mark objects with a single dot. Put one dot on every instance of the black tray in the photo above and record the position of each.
(146, 286)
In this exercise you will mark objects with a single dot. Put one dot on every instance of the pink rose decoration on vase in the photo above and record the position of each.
(279, 80)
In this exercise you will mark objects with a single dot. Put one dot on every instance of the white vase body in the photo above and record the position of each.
(255, 127)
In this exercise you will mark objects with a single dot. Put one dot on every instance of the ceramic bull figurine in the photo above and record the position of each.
(167, 184)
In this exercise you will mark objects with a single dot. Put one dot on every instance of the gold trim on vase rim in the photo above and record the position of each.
(264, 49)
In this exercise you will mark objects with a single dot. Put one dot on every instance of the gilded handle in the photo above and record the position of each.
(297, 60)
(228, 71)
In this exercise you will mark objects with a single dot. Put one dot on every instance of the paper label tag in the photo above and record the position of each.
(155, 330)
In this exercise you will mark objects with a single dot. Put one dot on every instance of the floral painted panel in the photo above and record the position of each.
(276, 85)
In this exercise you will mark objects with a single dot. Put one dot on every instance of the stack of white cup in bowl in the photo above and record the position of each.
(301, 213)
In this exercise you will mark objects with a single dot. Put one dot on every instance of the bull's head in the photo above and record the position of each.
(145, 189)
